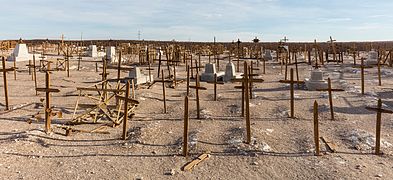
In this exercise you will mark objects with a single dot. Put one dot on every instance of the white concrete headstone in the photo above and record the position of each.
(93, 51)
(316, 81)
(20, 53)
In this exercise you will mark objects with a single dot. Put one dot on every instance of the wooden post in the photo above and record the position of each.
(362, 76)
(247, 101)
(330, 99)
(188, 80)
(30, 69)
(4, 70)
(185, 134)
(292, 96)
(379, 74)
(126, 110)
(215, 87)
(163, 90)
(15, 68)
(174, 75)
(47, 104)
(67, 63)
(197, 96)
(35, 76)
(316, 129)
(119, 66)
(378, 129)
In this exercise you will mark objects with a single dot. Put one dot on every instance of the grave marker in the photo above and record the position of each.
(379, 111)
(5, 70)
(329, 90)
(48, 109)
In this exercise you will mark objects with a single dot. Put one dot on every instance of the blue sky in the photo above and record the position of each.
(198, 20)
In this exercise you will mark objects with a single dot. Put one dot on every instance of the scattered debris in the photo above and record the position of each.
(362, 140)
(189, 166)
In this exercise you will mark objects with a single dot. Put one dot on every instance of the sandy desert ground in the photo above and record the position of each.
(281, 148)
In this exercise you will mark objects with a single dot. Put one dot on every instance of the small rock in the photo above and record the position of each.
(358, 167)
(253, 154)
(107, 160)
(171, 172)
(254, 163)
(139, 178)
(154, 152)
(378, 175)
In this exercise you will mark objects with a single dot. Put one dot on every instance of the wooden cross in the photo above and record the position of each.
(329, 90)
(334, 48)
(163, 81)
(197, 87)
(126, 100)
(5, 70)
(379, 111)
(285, 39)
(215, 82)
(362, 67)
(48, 109)
(292, 100)
(249, 80)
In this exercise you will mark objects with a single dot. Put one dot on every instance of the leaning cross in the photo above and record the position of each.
(329, 90)
(379, 111)
(48, 109)
(4, 70)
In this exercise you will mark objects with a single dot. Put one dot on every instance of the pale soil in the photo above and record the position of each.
(154, 147)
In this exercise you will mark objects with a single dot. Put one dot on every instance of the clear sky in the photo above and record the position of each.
(198, 20)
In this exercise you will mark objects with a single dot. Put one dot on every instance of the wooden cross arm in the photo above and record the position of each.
(237, 80)
(196, 67)
(257, 80)
(198, 87)
(129, 100)
(289, 81)
(298, 63)
(96, 89)
(103, 73)
(249, 75)
(212, 82)
(379, 110)
(47, 90)
(364, 66)
(330, 90)
(166, 80)
(121, 68)
(32, 66)
(7, 69)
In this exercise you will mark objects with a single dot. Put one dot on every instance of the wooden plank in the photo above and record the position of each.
(189, 166)
(331, 146)
(101, 90)
(47, 90)
(379, 110)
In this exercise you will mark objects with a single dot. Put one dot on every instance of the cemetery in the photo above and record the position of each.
(183, 110)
